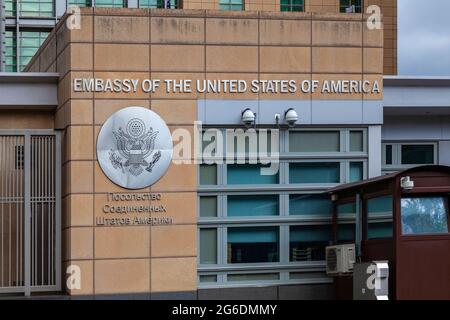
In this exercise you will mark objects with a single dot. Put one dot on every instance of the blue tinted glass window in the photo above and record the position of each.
(249, 174)
(314, 172)
(356, 171)
(253, 244)
(379, 213)
(307, 243)
(310, 204)
(260, 205)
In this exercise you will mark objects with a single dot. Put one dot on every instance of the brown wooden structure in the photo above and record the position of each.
(414, 238)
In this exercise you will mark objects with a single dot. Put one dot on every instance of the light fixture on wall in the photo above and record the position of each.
(406, 183)
(248, 117)
(291, 117)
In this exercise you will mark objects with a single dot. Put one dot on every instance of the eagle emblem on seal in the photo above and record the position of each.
(134, 147)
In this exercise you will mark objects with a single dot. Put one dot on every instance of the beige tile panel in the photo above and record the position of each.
(174, 241)
(373, 60)
(86, 268)
(79, 112)
(181, 206)
(85, 34)
(122, 242)
(22, 119)
(80, 144)
(248, 94)
(176, 111)
(134, 75)
(81, 56)
(374, 96)
(232, 59)
(79, 210)
(285, 32)
(104, 108)
(232, 31)
(181, 177)
(122, 276)
(121, 57)
(178, 58)
(79, 176)
(125, 29)
(101, 203)
(161, 91)
(336, 60)
(79, 243)
(174, 274)
(285, 59)
(177, 30)
(336, 33)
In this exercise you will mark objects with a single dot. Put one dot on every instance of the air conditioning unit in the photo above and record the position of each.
(340, 259)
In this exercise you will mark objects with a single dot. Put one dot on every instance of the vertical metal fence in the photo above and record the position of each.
(30, 212)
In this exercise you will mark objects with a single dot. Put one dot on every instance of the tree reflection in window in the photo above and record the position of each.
(424, 215)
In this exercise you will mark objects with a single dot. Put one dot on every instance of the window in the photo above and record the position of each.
(231, 4)
(345, 4)
(275, 223)
(249, 174)
(81, 3)
(379, 216)
(427, 215)
(109, 3)
(10, 8)
(208, 206)
(310, 204)
(249, 205)
(292, 5)
(356, 141)
(11, 51)
(400, 155)
(314, 141)
(314, 172)
(253, 244)
(208, 174)
(36, 8)
(307, 243)
(417, 154)
(356, 171)
(30, 41)
(20, 157)
(167, 4)
(208, 246)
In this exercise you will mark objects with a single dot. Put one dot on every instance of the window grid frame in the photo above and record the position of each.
(397, 154)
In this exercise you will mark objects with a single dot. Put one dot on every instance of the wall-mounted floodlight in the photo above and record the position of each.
(248, 117)
(291, 117)
(406, 183)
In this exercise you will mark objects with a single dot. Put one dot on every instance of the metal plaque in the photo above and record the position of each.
(134, 147)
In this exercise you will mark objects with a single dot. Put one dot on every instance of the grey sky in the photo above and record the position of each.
(424, 37)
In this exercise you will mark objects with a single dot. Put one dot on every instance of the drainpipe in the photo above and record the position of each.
(3, 36)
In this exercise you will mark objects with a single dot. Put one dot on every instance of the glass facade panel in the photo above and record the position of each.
(388, 154)
(208, 246)
(29, 42)
(110, 3)
(307, 243)
(417, 154)
(81, 3)
(346, 233)
(314, 141)
(10, 8)
(249, 174)
(11, 51)
(36, 8)
(167, 4)
(356, 171)
(260, 205)
(231, 5)
(379, 214)
(253, 244)
(253, 277)
(208, 174)
(356, 141)
(292, 5)
(208, 206)
(424, 215)
(208, 278)
(310, 204)
(314, 172)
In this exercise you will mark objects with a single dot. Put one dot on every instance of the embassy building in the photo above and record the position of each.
(105, 190)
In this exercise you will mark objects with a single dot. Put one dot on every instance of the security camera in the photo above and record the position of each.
(248, 117)
(291, 117)
(406, 183)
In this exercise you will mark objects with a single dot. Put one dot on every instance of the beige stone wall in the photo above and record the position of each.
(175, 44)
